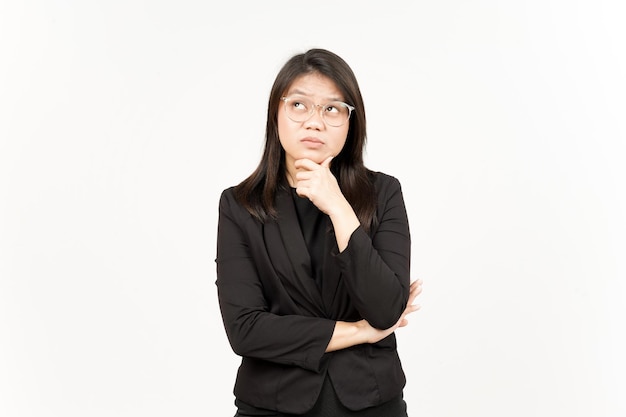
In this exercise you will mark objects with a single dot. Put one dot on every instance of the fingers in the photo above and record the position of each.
(308, 165)
(317, 183)
(307, 169)
(417, 284)
(414, 290)
(412, 308)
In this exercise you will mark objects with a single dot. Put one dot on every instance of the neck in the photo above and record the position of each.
(291, 178)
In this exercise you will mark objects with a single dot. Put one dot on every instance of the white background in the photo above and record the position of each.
(122, 121)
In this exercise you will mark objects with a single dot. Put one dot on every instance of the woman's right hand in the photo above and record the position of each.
(374, 335)
(347, 334)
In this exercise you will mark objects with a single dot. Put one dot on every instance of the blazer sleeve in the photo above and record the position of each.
(252, 329)
(376, 268)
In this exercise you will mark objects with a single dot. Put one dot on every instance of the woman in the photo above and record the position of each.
(313, 254)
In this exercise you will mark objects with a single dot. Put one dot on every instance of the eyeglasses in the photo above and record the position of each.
(300, 109)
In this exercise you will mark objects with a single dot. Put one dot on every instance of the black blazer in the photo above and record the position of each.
(279, 322)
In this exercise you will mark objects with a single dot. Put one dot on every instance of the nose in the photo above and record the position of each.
(316, 120)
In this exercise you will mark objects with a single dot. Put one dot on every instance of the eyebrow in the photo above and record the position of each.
(302, 93)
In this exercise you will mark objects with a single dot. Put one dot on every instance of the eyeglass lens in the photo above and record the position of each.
(300, 109)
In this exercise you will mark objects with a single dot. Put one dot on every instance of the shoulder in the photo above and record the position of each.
(228, 194)
(388, 191)
(385, 183)
(228, 201)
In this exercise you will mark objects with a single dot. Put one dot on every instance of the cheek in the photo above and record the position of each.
(340, 141)
(283, 131)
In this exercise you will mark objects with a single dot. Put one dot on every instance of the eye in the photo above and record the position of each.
(336, 108)
(298, 104)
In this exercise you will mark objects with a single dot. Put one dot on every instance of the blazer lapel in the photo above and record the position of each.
(301, 280)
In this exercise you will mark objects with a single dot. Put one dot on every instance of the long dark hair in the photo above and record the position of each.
(257, 192)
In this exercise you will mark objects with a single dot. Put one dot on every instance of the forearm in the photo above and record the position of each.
(289, 340)
(375, 265)
(378, 291)
(348, 334)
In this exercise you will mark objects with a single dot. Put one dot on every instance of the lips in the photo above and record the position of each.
(312, 140)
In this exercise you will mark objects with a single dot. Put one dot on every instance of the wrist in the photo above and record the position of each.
(345, 222)
(363, 331)
(341, 211)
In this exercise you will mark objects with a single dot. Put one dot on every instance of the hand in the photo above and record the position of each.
(414, 290)
(316, 182)
(347, 334)
(376, 335)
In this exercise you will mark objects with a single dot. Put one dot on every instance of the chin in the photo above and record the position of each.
(316, 157)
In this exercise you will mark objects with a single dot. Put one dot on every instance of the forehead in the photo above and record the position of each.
(315, 85)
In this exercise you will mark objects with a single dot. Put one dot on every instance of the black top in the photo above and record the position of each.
(279, 321)
(314, 224)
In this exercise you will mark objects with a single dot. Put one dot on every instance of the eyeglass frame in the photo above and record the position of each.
(321, 106)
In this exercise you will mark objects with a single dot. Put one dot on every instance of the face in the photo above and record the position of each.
(313, 139)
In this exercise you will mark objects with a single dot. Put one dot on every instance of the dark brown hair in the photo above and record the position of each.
(257, 192)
